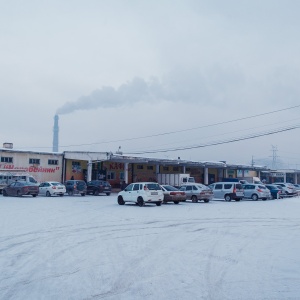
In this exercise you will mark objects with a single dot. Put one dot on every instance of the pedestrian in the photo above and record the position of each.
(123, 185)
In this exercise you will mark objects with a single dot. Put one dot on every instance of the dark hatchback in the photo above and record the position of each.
(97, 187)
(75, 187)
(276, 191)
(20, 188)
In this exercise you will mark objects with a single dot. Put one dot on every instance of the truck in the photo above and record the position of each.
(176, 180)
(9, 177)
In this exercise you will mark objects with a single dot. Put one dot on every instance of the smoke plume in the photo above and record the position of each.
(137, 90)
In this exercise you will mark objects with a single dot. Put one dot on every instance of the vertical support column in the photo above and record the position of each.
(295, 178)
(183, 169)
(226, 173)
(205, 175)
(126, 172)
(89, 170)
(220, 174)
(156, 170)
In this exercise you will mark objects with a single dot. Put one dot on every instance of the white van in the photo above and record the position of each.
(9, 177)
(227, 190)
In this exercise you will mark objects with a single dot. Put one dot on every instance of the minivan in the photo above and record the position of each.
(227, 190)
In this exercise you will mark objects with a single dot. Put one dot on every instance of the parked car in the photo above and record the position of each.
(141, 193)
(172, 194)
(20, 188)
(288, 189)
(297, 186)
(256, 191)
(197, 191)
(50, 188)
(227, 190)
(75, 187)
(97, 187)
(275, 190)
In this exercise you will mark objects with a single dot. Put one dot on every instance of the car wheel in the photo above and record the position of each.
(140, 202)
(61, 195)
(70, 193)
(194, 199)
(48, 194)
(227, 198)
(254, 197)
(264, 199)
(206, 200)
(33, 195)
(237, 199)
(158, 203)
(4, 193)
(82, 194)
(176, 202)
(19, 194)
(121, 200)
(96, 192)
(107, 194)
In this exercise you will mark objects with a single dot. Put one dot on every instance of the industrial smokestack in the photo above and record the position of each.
(55, 134)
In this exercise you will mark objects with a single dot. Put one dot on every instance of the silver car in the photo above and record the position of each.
(197, 191)
(256, 191)
(288, 188)
(227, 190)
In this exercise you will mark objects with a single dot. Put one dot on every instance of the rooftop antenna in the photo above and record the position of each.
(119, 151)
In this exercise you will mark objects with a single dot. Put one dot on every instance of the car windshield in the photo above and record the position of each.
(262, 187)
(290, 184)
(55, 183)
(273, 187)
(170, 188)
(29, 183)
(153, 186)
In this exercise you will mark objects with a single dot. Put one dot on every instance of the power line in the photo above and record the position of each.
(184, 130)
(173, 132)
(215, 143)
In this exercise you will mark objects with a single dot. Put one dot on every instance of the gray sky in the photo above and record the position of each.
(119, 70)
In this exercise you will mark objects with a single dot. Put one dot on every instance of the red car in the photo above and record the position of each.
(20, 188)
(172, 194)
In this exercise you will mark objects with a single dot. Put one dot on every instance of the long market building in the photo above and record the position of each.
(115, 168)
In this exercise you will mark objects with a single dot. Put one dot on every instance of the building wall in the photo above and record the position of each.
(170, 169)
(48, 168)
(75, 169)
(143, 172)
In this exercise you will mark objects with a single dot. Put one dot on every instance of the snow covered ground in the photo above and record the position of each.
(92, 248)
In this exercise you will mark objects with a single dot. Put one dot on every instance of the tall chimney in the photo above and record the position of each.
(55, 134)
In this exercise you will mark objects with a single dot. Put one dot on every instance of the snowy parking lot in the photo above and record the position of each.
(92, 248)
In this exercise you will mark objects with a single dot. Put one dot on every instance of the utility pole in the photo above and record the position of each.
(274, 161)
(252, 161)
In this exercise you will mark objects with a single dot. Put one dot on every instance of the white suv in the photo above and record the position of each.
(141, 193)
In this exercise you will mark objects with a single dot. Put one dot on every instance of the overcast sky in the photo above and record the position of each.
(150, 75)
